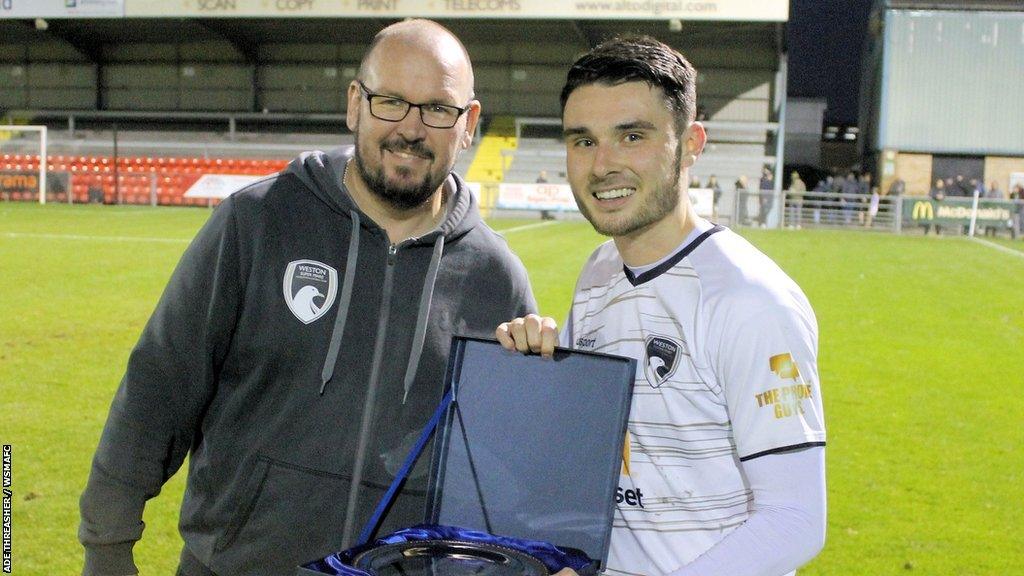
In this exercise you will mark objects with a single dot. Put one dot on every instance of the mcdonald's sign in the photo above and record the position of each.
(923, 211)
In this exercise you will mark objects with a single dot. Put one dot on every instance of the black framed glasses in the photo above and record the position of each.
(394, 109)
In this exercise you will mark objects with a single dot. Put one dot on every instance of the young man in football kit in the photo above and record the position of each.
(725, 455)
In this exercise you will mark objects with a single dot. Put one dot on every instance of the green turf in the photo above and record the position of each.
(920, 359)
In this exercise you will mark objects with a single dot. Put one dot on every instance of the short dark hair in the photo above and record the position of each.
(638, 59)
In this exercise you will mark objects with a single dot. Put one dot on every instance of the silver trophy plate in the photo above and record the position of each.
(447, 558)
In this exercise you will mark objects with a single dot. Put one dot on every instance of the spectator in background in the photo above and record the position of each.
(819, 197)
(542, 178)
(977, 187)
(994, 193)
(694, 182)
(938, 194)
(876, 199)
(797, 191)
(863, 195)
(716, 191)
(765, 197)
(836, 203)
(897, 188)
(1017, 195)
(848, 200)
(742, 196)
(959, 187)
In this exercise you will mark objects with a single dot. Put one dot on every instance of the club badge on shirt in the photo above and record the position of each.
(661, 359)
(309, 289)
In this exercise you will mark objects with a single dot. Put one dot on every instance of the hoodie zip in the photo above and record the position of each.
(370, 404)
(316, 171)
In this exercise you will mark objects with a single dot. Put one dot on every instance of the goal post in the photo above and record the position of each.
(22, 141)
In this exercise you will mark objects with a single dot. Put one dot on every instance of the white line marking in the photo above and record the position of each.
(187, 240)
(96, 238)
(1017, 253)
(527, 227)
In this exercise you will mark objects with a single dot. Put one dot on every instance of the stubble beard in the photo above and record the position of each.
(663, 201)
(400, 197)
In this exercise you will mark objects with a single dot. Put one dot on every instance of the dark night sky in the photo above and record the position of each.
(825, 38)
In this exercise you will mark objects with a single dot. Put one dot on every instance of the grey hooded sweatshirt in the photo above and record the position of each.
(294, 356)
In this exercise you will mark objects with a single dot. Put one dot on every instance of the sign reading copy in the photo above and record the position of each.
(535, 197)
(729, 10)
(61, 8)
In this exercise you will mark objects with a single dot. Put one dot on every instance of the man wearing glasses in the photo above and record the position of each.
(301, 344)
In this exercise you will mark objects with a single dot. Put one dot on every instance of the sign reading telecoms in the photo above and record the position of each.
(61, 8)
(734, 10)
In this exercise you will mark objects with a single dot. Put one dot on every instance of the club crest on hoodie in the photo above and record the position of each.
(309, 289)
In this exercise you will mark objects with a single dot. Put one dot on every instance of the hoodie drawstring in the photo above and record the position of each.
(369, 406)
(343, 305)
(426, 297)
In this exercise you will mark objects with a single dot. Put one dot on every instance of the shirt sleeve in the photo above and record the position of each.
(168, 383)
(766, 365)
(786, 526)
(565, 336)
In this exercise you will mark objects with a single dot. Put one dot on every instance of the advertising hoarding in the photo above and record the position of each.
(61, 8)
(722, 10)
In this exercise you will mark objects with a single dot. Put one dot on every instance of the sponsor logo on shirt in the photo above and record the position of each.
(661, 358)
(582, 342)
(309, 289)
(783, 366)
(785, 401)
(629, 496)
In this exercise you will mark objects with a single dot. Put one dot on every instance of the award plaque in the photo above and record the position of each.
(524, 469)
(447, 557)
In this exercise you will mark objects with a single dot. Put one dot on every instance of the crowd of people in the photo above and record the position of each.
(856, 198)
(849, 199)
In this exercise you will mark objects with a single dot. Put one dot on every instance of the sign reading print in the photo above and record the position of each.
(309, 289)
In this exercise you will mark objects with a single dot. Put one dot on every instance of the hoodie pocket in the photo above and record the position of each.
(290, 514)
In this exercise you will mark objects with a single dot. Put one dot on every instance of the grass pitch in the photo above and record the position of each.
(920, 360)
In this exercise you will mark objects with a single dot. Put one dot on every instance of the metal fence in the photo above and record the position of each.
(898, 214)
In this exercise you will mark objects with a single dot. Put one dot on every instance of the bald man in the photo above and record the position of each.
(302, 341)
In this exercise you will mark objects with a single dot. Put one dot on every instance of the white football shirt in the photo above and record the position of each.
(726, 348)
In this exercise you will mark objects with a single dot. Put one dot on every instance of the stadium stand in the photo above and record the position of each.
(235, 88)
(138, 179)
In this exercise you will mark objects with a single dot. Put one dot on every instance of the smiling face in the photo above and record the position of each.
(405, 163)
(625, 162)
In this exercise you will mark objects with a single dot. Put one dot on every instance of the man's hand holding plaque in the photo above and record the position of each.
(532, 333)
